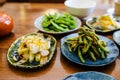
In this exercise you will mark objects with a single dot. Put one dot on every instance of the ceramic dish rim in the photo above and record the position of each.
(39, 20)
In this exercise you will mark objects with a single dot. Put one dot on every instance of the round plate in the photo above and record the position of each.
(38, 24)
(111, 46)
(15, 45)
(116, 37)
(89, 75)
(102, 31)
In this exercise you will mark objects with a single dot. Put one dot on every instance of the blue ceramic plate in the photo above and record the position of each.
(90, 75)
(116, 37)
(112, 55)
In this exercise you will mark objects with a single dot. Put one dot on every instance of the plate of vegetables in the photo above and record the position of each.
(89, 49)
(57, 23)
(104, 23)
(31, 51)
(89, 75)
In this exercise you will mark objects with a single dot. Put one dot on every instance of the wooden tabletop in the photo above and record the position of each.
(24, 15)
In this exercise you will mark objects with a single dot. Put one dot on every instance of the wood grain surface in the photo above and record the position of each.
(24, 15)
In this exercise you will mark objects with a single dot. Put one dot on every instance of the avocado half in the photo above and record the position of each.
(30, 65)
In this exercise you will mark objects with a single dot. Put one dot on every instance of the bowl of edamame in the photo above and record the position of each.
(57, 23)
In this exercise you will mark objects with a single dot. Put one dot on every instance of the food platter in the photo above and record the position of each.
(92, 24)
(111, 57)
(89, 75)
(23, 57)
(38, 24)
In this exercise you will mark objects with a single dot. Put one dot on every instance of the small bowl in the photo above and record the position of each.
(80, 8)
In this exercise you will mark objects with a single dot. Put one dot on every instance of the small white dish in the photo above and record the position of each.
(38, 24)
(110, 11)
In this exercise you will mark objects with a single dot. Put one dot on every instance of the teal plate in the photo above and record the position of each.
(89, 75)
(14, 47)
(111, 57)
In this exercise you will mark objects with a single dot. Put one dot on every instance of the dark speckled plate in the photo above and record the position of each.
(90, 75)
(112, 55)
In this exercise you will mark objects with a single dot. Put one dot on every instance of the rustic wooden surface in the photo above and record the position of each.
(24, 15)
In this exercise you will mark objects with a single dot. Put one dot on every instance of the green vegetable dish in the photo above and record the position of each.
(58, 22)
(87, 45)
(31, 51)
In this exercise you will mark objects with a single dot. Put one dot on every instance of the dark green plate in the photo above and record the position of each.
(14, 46)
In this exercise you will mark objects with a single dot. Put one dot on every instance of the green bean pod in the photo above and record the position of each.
(80, 56)
(92, 55)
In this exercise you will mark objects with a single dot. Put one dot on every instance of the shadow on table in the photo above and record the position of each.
(71, 67)
(59, 36)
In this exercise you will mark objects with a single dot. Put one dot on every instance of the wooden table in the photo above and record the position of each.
(24, 15)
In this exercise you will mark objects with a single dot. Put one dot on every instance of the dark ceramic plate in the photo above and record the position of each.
(112, 55)
(89, 75)
(90, 20)
(14, 47)
(38, 24)
(116, 37)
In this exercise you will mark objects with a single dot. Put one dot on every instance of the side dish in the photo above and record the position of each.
(87, 44)
(58, 22)
(32, 50)
(103, 23)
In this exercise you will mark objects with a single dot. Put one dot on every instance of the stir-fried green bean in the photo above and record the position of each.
(58, 22)
(87, 44)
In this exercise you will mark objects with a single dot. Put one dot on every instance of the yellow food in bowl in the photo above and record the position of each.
(106, 22)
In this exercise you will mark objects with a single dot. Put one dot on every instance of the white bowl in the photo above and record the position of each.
(80, 8)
